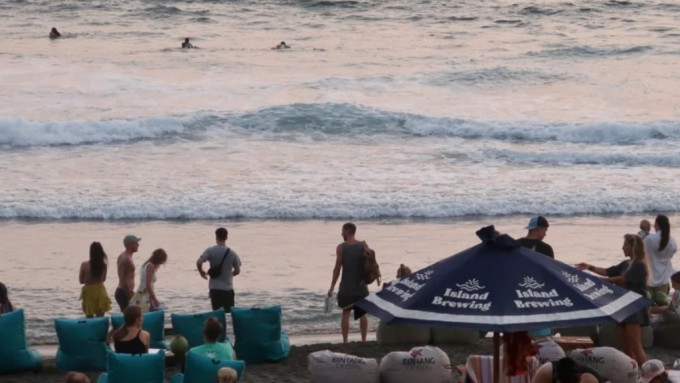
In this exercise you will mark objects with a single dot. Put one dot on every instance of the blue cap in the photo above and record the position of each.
(536, 222)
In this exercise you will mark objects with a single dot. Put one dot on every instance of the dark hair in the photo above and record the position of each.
(212, 330)
(158, 257)
(98, 260)
(676, 277)
(5, 304)
(221, 234)
(130, 314)
(665, 226)
(350, 228)
(565, 371)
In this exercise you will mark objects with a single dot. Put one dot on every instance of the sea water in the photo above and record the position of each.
(386, 112)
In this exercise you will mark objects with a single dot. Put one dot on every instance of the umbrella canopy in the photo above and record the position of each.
(502, 287)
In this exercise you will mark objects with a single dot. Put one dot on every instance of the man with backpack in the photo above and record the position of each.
(224, 266)
(352, 258)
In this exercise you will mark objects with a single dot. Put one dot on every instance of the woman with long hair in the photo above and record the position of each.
(661, 247)
(145, 297)
(632, 274)
(5, 304)
(96, 301)
(130, 338)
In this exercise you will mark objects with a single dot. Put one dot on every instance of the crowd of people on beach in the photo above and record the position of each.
(647, 270)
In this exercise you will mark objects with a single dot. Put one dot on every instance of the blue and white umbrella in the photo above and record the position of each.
(500, 286)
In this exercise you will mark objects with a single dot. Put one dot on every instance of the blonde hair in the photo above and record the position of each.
(639, 253)
(227, 375)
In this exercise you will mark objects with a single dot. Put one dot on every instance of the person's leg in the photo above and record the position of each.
(100, 314)
(228, 300)
(363, 325)
(214, 299)
(121, 299)
(623, 337)
(344, 323)
(634, 332)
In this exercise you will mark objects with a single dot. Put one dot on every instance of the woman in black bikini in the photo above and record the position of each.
(130, 338)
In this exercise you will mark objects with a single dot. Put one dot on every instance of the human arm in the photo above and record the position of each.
(104, 271)
(81, 276)
(145, 337)
(597, 270)
(336, 269)
(543, 374)
(199, 266)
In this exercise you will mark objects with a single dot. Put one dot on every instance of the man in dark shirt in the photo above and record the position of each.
(538, 228)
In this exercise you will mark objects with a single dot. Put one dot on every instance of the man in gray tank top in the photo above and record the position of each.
(350, 260)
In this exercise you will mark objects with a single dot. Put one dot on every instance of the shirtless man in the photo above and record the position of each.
(126, 271)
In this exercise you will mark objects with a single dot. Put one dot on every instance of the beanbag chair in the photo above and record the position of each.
(454, 336)
(124, 368)
(331, 367)
(258, 334)
(190, 326)
(15, 356)
(608, 336)
(609, 362)
(668, 335)
(421, 364)
(82, 344)
(392, 334)
(548, 351)
(199, 368)
(154, 324)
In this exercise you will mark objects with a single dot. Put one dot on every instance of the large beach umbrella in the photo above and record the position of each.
(500, 286)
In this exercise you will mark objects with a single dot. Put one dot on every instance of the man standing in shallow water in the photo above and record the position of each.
(350, 259)
(538, 229)
(222, 285)
(126, 271)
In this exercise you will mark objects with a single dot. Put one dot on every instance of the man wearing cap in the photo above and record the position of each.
(653, 371)
(538, 228)
(126, 271)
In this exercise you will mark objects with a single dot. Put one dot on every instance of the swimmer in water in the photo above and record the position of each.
(54, 33)
(282, 45)
(187, 45)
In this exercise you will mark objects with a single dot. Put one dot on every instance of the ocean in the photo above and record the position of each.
(422, 117)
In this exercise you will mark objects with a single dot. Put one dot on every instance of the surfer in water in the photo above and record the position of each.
(281, 45)
(187, 45)
(54, 33)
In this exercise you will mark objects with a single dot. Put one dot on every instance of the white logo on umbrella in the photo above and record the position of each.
(530, 283)
(471, 285)
(571, 278)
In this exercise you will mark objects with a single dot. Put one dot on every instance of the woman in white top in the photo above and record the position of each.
(145, 297)
(660, 248)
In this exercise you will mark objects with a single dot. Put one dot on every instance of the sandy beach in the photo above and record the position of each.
(294, 369)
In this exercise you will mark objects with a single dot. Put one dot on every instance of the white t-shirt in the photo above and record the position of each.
(214, 255)
(660, 261)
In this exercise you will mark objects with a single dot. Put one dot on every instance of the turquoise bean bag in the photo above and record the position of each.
(258, 334)
(201, 369)
(190, 326)
(82, 344)
(15, 355)
(124, 368)
(154, 324)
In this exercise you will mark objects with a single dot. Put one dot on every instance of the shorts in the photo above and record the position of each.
(95, 300)
(123, 298)
(222, 298)
(347, 300)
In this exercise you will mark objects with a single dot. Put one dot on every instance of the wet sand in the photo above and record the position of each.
(294, 369)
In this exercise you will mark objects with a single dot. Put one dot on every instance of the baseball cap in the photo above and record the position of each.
(651, 369)
(130, 239)
(537, 221)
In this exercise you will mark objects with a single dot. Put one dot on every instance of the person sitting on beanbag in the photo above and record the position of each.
(5, 304)
(227, 375)
(566, 370)
(76, 377)
(130, 338)
(212, 348)
(671, 313)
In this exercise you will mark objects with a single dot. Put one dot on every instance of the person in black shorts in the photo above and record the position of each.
(229, 264)
(566, 370)
(538, 229)
(350, 260)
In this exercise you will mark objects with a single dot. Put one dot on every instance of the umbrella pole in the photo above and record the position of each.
(496, 357)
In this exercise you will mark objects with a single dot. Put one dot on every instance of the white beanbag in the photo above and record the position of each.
(331, 367)
(421, 364)
(403, 334)
(548, 351)
(610, 362)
